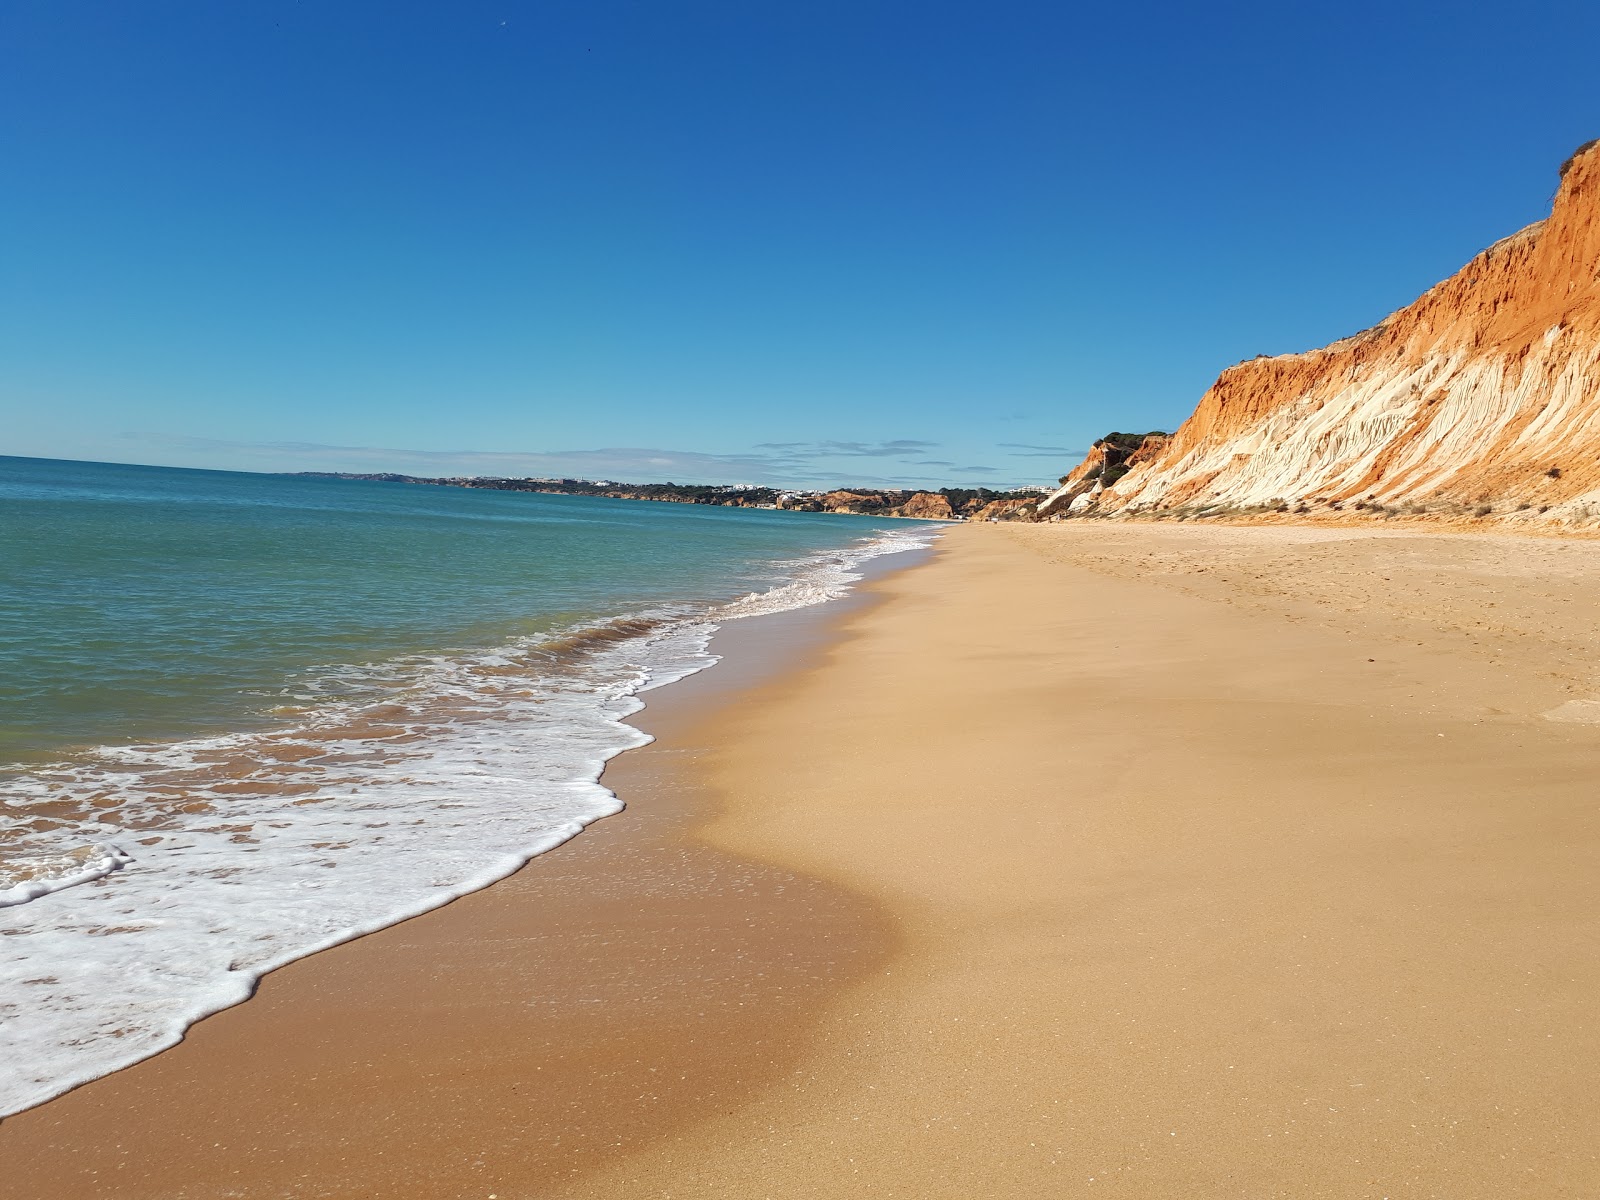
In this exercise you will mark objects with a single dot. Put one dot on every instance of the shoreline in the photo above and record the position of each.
(560, 937)
(510, 786)
(1072, 862)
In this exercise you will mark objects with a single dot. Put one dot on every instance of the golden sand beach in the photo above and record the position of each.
(1083, 860)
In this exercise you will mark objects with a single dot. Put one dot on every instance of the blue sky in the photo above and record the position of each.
(916, 243)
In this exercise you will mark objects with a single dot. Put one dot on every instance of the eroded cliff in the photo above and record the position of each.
(1482, 397)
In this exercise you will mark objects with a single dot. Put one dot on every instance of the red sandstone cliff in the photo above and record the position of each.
(928, 506)
(1016, 508)
(1485, 392)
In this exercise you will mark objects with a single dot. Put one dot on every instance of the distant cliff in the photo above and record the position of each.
(947, 504)
(1480, 399)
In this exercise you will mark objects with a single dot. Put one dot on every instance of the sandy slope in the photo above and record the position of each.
(1229, 862)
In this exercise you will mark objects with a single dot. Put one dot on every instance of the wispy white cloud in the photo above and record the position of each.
(774, 463)
(800, 451)
(1028, 450)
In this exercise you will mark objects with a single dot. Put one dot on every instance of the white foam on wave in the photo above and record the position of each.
(826, 576)
(252, 850)
(27, 877)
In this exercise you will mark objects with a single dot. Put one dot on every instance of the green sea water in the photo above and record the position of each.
(144, 602)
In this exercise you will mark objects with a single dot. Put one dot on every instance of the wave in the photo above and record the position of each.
(150, 886)
(25, 877)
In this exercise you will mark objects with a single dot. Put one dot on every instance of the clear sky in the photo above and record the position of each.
(930, 242)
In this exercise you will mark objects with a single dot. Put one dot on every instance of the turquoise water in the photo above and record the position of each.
(246, 717)
(144, 602)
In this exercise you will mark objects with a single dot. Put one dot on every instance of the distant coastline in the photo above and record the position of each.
(945, 504)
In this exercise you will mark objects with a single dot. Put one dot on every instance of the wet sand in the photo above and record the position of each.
(513, 1039)
(1139, 861)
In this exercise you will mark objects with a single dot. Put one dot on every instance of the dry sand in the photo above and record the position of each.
(1228, 862)
(1141, 861)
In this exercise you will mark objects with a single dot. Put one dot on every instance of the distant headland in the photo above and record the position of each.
(946, 504)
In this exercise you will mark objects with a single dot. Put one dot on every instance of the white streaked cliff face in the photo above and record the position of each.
(1404, 431)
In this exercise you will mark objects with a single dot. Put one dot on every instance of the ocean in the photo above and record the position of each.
(247, 717)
